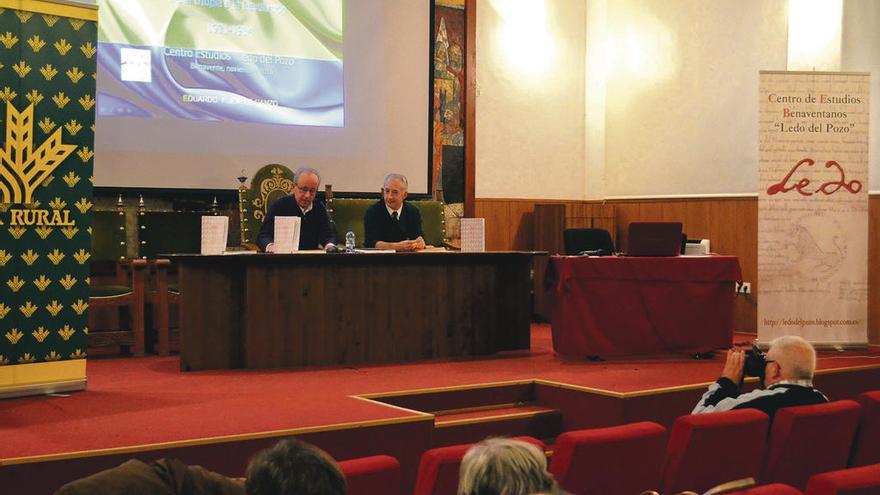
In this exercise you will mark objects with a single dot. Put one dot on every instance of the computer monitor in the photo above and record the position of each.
(654, 239)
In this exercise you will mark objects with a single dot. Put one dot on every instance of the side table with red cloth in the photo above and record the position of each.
(622, 306)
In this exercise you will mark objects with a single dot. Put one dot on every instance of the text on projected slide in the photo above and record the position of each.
(263, 61)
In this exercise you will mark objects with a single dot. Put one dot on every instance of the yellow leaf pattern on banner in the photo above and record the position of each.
(83, 205)
(3, 360)
(61, 100)
(21, 68)
(79, 306)
(48, 72)
(55, 256)
(54, 307)
(29, 257)
(17, 232)
(71, 179)
(85, 154)
(82, 256)
(69, 232)
(40, 334)
(66, 332)
(8, 94)
(73, 127)
(34, 97)
(23, 15)
(4, 257)
(9, 40)
(67, 282)
(27, 358)
(13, 336)
(46, 125)
(77, 354)
(43, 232)
(4, 310)
(57, 203)
(52, 356)
(75, 74)
(27, 309)
(77, 23)
(62, 46)
(36, 43)
(15, 283)
(88, 49)
(50, 19)
(42, 283)
(87, 102)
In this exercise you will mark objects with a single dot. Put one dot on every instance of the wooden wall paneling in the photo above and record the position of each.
(627, 212)
(874, 270)
(550, 222)
(497, 228)
(522, 225)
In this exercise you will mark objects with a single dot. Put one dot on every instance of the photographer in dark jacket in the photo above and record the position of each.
(787, 373)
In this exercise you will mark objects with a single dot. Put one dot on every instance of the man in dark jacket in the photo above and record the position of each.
(392, 223)
(789, 368)
(316, 231)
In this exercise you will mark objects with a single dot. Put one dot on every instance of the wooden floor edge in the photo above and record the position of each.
(451, 388)
(211, 440)
(497, 417)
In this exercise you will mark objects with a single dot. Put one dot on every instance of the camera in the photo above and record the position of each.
(755, 363)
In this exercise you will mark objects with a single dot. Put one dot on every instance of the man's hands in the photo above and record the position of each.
(407, 245)
(733, 368)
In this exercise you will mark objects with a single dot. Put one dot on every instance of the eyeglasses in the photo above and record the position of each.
(307, 190)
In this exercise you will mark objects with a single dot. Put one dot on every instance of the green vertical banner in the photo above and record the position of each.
(48, 55)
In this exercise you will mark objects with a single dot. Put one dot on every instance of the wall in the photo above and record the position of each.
(530, 98)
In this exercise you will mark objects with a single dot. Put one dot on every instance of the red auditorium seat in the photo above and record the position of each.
(806, 440)
(866, 449)
(771, 489)
(864, 480)
(618, 460)
(706, 450)
(438, 468)
(371, 475)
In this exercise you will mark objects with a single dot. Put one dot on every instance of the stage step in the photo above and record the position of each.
(466, 425)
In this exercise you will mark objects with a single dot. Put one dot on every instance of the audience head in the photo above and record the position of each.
(293, 467)
(504, 466)
(790, 358)
(394, 190)
(305, 186)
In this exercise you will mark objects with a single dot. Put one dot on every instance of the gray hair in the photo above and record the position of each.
(504, 466)
(305, 170)
(796, 356)
(400, 177)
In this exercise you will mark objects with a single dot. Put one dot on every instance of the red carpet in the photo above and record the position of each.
(145, 401)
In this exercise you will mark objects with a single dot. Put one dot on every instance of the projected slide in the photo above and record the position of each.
(261, 61)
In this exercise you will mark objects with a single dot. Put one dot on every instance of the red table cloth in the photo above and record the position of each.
(620, 306)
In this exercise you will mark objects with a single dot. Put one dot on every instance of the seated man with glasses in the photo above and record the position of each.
(788, 376)
(391, 222)
(316, 231)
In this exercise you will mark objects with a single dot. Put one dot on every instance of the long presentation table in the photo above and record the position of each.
(263, 311)
(621, 306)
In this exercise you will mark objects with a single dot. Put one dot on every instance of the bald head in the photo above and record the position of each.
(795, 356)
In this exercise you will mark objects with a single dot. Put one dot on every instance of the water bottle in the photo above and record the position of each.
(349, 241)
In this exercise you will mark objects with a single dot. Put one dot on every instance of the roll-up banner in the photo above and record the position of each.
(813, 207)
(48, 63)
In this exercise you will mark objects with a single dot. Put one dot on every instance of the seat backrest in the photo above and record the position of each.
(577, 240)
(439, 468)
(771, 489)
(271, 182)
(348, 213)
(701, 447)
(108, 236)
(806, 440)
(866, 447)
(370, 475)
(617, 460)
(169, 232)
(864, 480)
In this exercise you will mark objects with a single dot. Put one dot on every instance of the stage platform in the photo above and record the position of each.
(147, 408)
